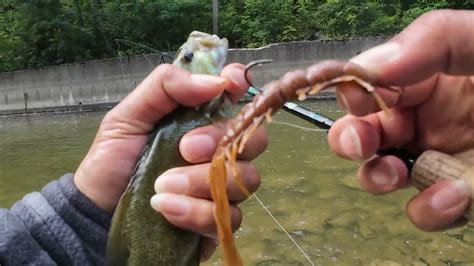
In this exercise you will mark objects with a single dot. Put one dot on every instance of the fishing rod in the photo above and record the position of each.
(318, 120)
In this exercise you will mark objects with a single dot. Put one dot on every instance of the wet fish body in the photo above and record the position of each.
(139, 235)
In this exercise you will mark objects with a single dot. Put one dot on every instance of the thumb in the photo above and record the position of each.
(160, 93)
(439, 41)
(439, 206)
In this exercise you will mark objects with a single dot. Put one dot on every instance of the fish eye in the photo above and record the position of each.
(188, 56)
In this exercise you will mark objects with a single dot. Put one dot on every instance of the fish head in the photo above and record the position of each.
(202, 53)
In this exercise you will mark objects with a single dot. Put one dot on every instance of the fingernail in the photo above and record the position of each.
(169, 204)
(172, 183)
(197, 148)
(371, 59)
(450, 196)
(350, 143)
(384, 174)
(207, 80)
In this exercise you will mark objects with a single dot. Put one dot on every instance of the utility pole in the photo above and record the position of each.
(215, 16)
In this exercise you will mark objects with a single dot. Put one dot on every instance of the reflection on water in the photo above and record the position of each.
(312, 193)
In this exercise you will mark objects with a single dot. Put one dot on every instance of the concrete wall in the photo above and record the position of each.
(111, 80)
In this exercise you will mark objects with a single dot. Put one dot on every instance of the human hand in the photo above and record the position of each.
(432, 63)
(183, 192)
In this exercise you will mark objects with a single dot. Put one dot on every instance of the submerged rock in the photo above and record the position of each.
(384, 263)
(274, 262)
(468, 236)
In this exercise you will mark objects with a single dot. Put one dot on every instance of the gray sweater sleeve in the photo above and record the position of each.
(57, 226)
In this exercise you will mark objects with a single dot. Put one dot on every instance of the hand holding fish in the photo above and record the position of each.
(183, 193)
(432, 64)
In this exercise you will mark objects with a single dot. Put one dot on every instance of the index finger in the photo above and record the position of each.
(439, 41)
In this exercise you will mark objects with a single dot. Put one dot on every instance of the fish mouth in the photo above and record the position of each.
(205, 40)
(212, 44)
(208, 41)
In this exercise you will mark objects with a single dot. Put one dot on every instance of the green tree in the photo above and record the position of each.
(161, 25)
(47, 37)
(8, 43)
(41, 33)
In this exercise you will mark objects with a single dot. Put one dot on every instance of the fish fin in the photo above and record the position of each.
(117, 249)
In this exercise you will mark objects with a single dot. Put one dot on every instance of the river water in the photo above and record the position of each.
(312, 193)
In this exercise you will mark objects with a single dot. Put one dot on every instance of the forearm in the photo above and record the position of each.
(57, 225)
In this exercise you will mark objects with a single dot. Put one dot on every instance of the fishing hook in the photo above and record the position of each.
(252, 64)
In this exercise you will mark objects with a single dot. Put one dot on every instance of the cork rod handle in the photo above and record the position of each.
(432, 166)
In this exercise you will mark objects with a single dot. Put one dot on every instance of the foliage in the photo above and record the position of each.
(8, 43)
(46, 35)
(162, 25)
(41, 33)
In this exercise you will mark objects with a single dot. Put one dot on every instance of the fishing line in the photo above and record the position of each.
(283, 229)
(299, 127)
(149, 62)
(121, 64)
(118, 41)
(130, 43)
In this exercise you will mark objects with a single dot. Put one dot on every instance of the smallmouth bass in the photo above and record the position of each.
(138, 234)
